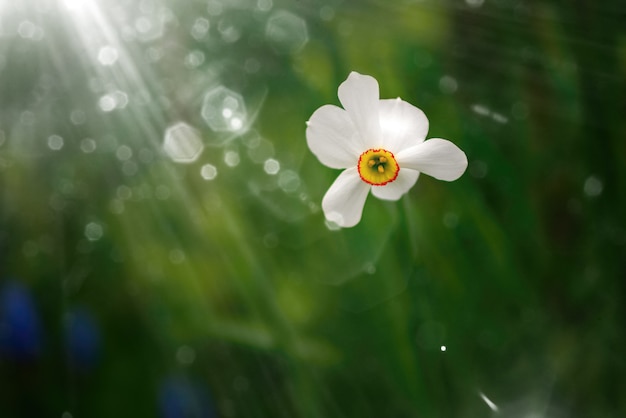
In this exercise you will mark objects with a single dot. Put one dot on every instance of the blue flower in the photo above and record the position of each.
(83, 340)
(180, 398)
(20, 329)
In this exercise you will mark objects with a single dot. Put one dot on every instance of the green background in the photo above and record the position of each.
(230, 297)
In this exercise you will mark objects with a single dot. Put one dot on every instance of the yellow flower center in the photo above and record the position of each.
(378, 167)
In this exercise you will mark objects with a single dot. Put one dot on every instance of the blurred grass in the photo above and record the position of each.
(517, 268)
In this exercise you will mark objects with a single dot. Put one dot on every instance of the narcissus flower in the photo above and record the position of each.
(379, 144)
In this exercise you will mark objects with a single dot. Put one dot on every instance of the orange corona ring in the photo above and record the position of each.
(378, 167)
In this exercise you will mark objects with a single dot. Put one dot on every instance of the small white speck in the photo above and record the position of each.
(107, 103)
(78, 117)
(593, 186)
(107, 55)
(480, 109)
(208, 172)
(500, 118)
(87, 145)
(271, 166)
(231, 158)
(55, 142)
(123, 153)
(236, 124)
(93, 231)
(448, 84)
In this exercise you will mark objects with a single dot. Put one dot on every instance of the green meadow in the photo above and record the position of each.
(164, 253)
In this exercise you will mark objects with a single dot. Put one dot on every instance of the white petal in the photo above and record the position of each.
(402, 124)
(394, 190)
(359, 96)
(332, 137)
(343, 202)
(439, 158)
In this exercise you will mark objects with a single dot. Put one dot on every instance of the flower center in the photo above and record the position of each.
(378, 167)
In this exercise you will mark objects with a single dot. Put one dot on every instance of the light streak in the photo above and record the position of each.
(488, 401)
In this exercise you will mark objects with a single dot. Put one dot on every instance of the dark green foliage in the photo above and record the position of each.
(230, 297)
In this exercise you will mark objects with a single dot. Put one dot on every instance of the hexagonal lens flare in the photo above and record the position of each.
(182, 143)
(224, 110)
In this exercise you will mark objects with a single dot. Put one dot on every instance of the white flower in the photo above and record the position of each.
(379, 144)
